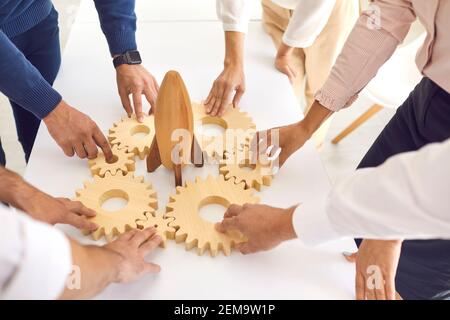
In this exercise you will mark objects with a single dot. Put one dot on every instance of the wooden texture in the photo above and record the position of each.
(173, 111)
(123, 161)
(242, 169)
(238, 126)
(358, 122)
(194, 230)
(140, 198)
(125, 134)
(161, 223)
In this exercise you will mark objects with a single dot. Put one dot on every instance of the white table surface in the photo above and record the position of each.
(195, 49)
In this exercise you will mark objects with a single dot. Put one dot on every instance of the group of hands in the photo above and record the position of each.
(265, 227)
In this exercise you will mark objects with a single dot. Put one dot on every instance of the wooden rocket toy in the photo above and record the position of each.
(173, 117)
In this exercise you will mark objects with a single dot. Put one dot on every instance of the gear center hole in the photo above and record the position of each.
(212, 127)
(213, 208)
(114, 200)
(140, 131)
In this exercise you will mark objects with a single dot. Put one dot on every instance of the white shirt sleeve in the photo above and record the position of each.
(408, 197)
(234, 14)
(307, 22)
(35, 258)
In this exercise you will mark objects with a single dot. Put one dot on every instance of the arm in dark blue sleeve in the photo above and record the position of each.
(118, 21)
(21, 82)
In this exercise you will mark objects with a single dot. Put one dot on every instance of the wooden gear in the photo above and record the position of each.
(161, 223)
(123, 133)
(234, 119)
(254, 175)
(123, 161)
(141, 198)
(197, 232)
(173, 112)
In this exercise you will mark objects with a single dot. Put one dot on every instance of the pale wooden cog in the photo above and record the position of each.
(238, 124)
(140, 196)
(253, 174)
(161, 223)
(191, 227)
(123, 161)
(123, 133)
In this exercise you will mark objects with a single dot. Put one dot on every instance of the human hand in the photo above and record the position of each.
(376, 267)
(76, 133)
(231, 80)
(283, 62)
(133, 246)
(278, 144)
(137, 81)
(43, 207)
(265, 227)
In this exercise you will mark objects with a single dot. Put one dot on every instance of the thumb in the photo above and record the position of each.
(227, 224)
(152, 268)
(349, 256)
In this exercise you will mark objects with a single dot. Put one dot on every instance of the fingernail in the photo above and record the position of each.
(141, 119)
(347, 254)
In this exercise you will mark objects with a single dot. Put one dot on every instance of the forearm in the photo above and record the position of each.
(22, 83)
(234, 49)
(315, 116)
(13, 189)
(98, 268)
(118, 22)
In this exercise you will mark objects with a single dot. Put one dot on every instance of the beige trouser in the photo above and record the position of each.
(313, 64)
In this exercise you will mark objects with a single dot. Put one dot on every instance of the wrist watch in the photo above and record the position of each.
(129, 57)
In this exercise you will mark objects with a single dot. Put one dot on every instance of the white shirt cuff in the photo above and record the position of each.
(45, 264)
(312, 226)
(297, 43)
(236, 27)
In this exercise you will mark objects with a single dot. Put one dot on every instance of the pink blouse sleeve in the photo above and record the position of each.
(372, 42)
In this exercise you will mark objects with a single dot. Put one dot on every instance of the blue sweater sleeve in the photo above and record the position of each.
(21, 82)
(118, 21)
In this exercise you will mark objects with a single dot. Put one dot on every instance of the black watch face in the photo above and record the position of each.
(134, 57)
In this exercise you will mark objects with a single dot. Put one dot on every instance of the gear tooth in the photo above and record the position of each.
(179, 189)
(202, 247)
(226, 249)
(97, 234)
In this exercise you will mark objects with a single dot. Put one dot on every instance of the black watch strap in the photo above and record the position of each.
(129, 57)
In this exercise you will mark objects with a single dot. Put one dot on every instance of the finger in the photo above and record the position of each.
(228, 224)
(150, 245)
(360, 287)
(152, 268)
(101, 141)
(349, 256)
(137, 102)
(78, 208)
(150, 95)
(244, 248)
(380, 293)
(91, 149)
(237, 97)
(209, 100)
(125, 99)
(216, 107)
(68, 150)
(93, 152)
(232, 211)
(225, 98)
(79, 150)
(80, 222)
(220, 92)
(142, 236)
(391, 294)
(370, 293)
(126, 236)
